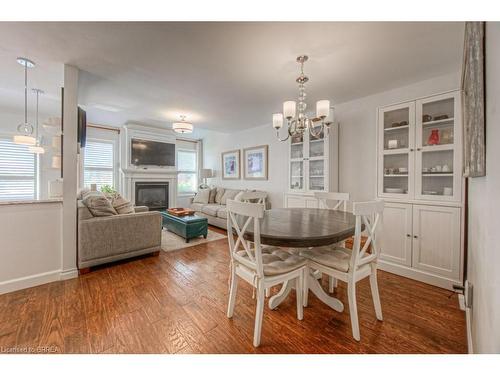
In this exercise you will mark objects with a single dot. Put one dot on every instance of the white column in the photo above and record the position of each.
(70, 171)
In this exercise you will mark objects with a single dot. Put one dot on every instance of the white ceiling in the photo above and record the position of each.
(223, 76)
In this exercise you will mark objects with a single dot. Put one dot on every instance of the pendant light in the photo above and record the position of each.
(37, 149)
(25, 130)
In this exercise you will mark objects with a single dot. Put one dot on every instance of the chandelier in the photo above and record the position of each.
(37, 148)
(295, 113)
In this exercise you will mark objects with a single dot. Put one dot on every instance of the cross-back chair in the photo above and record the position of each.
(254, 197)
(260, 267)
(353, 265)
(332, 201)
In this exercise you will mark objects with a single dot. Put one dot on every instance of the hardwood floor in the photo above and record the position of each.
(176, 303)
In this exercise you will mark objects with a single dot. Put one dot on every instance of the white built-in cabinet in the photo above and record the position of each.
(419, 167)
(308, 168)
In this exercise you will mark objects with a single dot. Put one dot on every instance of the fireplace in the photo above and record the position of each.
(152, 194)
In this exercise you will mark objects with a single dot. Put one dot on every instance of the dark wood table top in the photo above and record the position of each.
(303, 227)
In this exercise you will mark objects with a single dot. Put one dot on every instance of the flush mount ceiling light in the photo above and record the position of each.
(183, 126)
(25, 130)
(298, 121)
(37, 149)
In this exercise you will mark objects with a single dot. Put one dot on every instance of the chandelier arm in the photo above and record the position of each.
(282, 139)
(322, 129)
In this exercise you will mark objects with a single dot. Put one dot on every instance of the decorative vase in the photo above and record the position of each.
(434, 137)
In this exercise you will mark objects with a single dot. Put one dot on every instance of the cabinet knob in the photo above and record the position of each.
(415, 236)
(419, 149)
(408, 235)
(411, 150)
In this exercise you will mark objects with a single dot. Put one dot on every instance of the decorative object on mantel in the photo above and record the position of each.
(298, 123)
(37, 148)
(205, 173)
(25, 130)
(231, 165)
(183, 126)
(473, 100)
(256, 163)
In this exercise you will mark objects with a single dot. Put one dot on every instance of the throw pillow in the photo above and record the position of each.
(98, 204)
(229, 194)
(120, 204)
(211, 197)
(219, 194)
(202, 196)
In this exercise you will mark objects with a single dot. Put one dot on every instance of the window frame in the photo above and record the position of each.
(36, 177)
(115, 167)
(181, 171)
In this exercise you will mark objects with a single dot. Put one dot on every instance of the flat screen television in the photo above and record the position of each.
(152, 153)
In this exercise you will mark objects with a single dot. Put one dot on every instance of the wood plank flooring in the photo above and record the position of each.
(176, 303)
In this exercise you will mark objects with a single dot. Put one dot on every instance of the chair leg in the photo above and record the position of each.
(268, 292)
(259, 312)
(353, 310)
(305, 293)
(375, 294)
(299, 285)
(232, 294)
(332, 284)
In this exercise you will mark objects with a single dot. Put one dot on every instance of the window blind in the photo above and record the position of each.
(98, 164)
(17, 171)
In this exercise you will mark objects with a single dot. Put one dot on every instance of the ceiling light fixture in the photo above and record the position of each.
(295, 113)
(37, 149)
(25, 130)
(183, 126)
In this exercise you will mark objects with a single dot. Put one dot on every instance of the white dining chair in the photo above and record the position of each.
(333, 201)
(353, 265)
(254, 197)
(260, 267)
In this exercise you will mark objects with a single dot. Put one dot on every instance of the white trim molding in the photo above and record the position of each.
(35, 280)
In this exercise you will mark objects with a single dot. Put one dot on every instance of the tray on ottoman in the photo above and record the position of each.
(185, 226)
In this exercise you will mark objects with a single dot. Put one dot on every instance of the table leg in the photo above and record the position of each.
(275, 300)
(315, 287)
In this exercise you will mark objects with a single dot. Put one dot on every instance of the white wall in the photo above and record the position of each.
(30, 244)
(358, 132)
(484, 206)
(357, 143)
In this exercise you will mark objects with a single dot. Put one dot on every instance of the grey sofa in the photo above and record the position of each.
(215, 212)
(110, 238)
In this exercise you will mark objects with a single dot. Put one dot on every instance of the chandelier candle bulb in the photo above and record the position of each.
(322, 108)
(277, 120)
(289, 109)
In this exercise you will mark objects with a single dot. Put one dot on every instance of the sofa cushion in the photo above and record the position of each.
(229, 194)
(98, 204)
(120, 204)
(219, 194)
(211, 196)
(222, 213)
(197, 206)
(211, 209)
(202, 196)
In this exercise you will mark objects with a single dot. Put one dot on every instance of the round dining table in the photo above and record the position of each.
(304, 228)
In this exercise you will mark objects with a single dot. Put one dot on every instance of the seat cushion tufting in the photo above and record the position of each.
(334, 257)
(277, 261)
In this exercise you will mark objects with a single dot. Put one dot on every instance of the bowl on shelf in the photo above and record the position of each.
(426, 118)
(440, 117)
(394, 190)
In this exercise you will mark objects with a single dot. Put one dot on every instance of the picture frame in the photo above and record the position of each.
(256, 163)
(230, 165)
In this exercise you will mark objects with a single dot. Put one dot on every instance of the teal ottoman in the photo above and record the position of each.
(187, 227)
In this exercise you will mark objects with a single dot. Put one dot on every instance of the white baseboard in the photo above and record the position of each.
(35, 280)
(468, 319)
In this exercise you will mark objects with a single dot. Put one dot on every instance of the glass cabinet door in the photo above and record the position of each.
(297, 170)
(396, 127)
(437, 155)
(317, 165)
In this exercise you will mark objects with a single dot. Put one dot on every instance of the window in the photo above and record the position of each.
(17, 171)
(187, 178)
(98, 164)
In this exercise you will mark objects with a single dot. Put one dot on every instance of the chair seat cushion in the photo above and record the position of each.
(211, 209)
(277, 261)
(334, 257)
